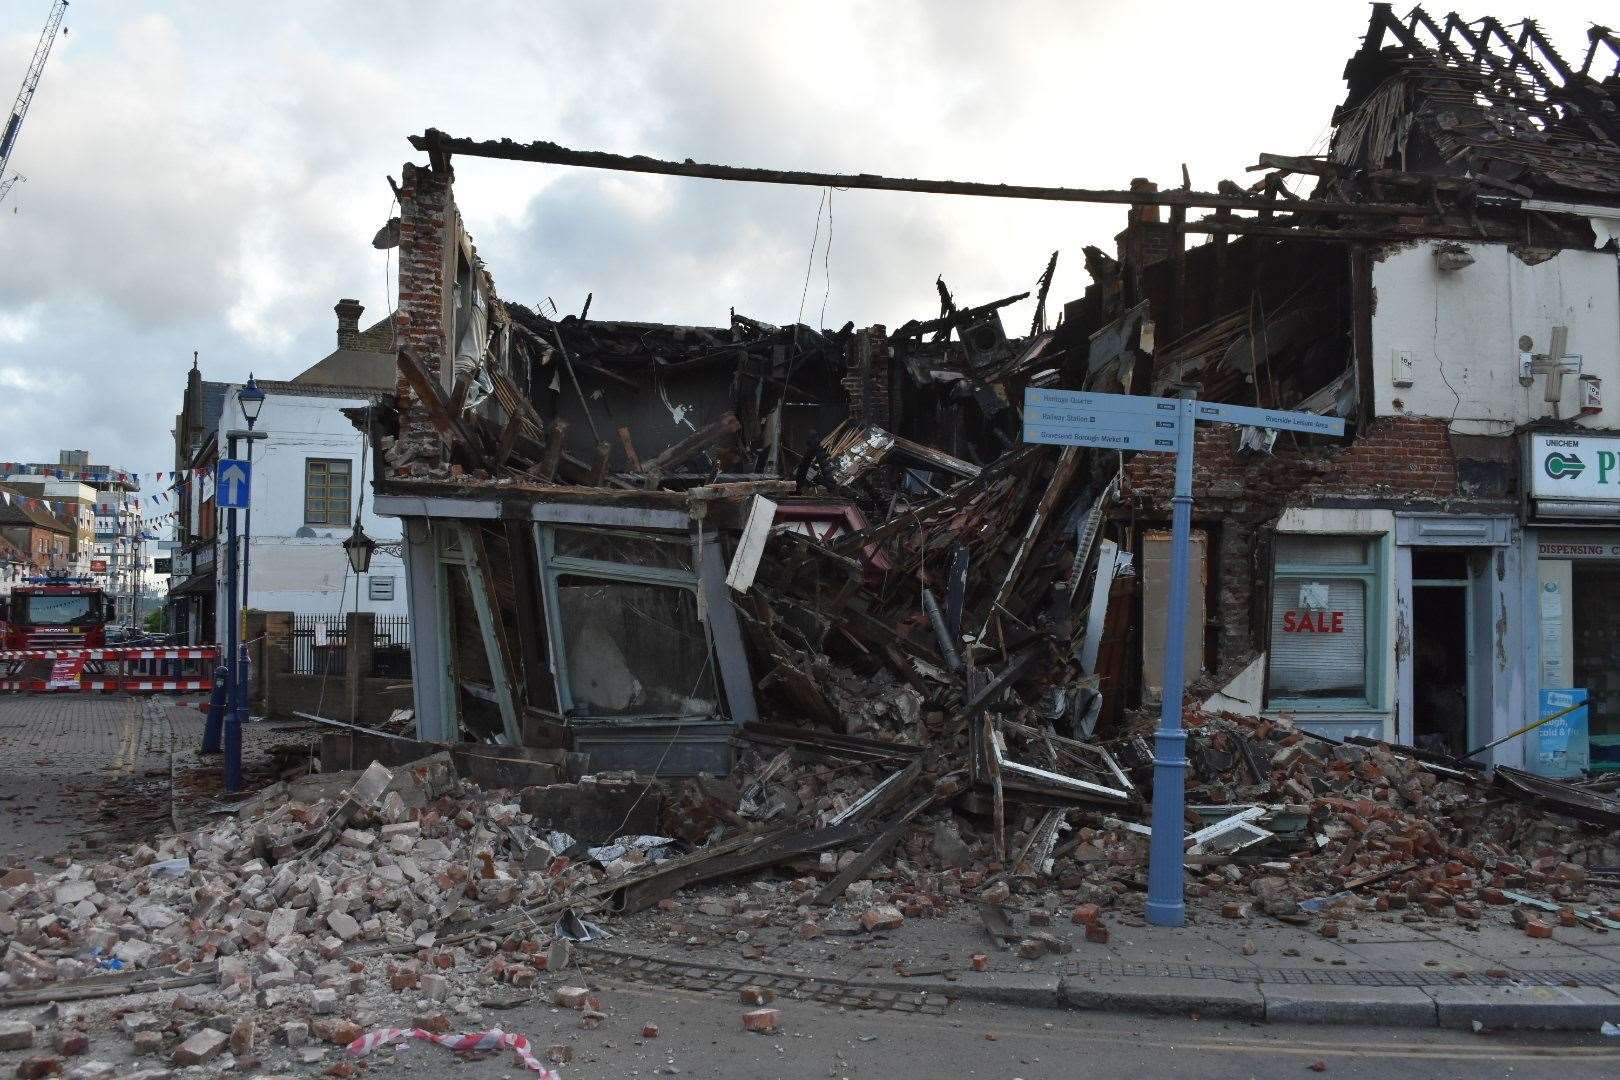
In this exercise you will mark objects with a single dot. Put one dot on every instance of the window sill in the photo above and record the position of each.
(1317, 708)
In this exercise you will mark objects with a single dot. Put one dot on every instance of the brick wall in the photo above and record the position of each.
(427, 209)
(1398, 457)
(866, 377)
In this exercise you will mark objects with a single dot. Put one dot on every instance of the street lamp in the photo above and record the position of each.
(359, 548)
(251, 398)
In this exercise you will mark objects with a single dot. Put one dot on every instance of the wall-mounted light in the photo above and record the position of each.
(359, 547)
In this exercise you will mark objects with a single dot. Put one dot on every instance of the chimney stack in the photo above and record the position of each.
(348, 313)
(1144, 211)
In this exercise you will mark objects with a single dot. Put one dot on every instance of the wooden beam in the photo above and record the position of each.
(701, 439)
(540, 690)
(547, 469)
(552, 154)
(445, 419)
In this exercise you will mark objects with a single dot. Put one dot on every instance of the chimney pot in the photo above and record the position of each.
(348, 329)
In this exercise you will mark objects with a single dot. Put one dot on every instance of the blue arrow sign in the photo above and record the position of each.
(233, 484)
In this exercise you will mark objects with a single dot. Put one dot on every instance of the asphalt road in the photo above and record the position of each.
(701, 1036)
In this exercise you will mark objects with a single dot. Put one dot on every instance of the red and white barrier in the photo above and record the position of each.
(112, 686)
(480, 1040)
(142, 670)
(178, 652)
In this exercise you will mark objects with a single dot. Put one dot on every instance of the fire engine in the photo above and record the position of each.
(54, 611)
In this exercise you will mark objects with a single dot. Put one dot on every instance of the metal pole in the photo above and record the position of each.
(232, 617)
(211, 735)
(247, 533)
(1165, 904)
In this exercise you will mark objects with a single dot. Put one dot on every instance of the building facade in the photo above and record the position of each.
(307, 492)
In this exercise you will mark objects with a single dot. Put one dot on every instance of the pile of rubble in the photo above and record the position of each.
(329, 907)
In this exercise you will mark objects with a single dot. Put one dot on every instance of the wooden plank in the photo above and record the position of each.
(701, 439)
(862, 863)
(1068, 463)
(751, 544)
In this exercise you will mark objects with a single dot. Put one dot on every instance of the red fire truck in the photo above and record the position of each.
(53, 637)
(54, 612)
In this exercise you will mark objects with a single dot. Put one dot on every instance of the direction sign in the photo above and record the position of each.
(233, 484)
(1088, 402)
(1250, 416)
(1064, 416)
(1066, 435)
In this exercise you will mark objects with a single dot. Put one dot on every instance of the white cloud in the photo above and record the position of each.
(209, 177)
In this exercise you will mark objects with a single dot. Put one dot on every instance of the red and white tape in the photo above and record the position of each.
(479, 1040)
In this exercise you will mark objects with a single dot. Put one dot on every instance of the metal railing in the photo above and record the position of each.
(320, 644)
(391, 646)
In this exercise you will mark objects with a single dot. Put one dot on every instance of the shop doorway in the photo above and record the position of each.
(1442, 649)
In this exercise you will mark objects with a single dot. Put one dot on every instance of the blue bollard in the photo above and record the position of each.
(216, 712)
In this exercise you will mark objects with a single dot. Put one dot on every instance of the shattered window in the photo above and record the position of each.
(634, 649)
(625, 547)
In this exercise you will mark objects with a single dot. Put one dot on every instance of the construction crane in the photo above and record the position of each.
(25, 96)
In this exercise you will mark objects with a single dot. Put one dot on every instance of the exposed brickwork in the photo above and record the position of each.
(1399, 457)
(1237, 498)
(866, 377)
(427, 209)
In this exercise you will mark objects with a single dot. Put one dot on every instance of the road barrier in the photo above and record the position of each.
(179, 669)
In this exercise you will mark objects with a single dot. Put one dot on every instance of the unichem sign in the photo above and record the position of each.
(1564, 467)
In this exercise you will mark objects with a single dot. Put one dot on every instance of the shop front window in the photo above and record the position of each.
(624, 611)
(634, 649)
(1325, 649)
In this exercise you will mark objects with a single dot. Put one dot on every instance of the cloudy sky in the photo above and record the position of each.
(207, 176)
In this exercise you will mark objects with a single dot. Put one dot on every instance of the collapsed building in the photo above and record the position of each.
(801, 598)
(633, 539)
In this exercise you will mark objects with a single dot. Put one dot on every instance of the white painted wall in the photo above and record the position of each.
(1462, 328)
(306, 575)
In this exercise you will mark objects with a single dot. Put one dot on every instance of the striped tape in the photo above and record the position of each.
(482, 1040)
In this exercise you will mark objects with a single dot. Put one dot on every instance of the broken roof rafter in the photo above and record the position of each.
(441, 147)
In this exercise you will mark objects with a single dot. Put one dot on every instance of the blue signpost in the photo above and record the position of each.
(233, 491)
(1159, 425)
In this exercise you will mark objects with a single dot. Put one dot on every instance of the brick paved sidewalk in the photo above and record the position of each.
(84, 771)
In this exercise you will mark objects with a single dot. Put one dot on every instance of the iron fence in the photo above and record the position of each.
(320, 644)
(391, 646)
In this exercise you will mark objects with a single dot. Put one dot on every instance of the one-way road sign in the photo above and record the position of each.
(233, 484)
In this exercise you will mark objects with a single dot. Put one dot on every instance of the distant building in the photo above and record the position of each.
(99, 505)
(307, 490)
(39, 540)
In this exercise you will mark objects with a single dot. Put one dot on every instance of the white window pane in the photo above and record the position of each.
(1319, 638)
(1322, 550)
